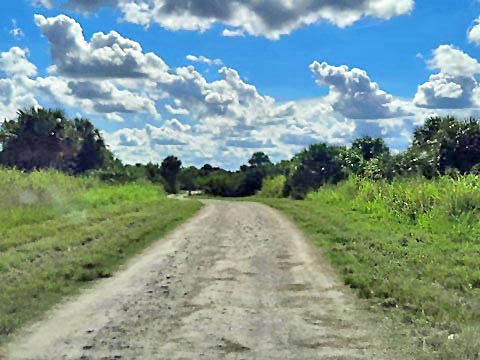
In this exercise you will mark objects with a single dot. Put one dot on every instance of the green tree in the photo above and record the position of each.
(366, 154)
(169, 170)
(93, 153)
(154, 173)
(441, 145)
(370, 148)
(207, 169)
(44, 138)
(259, 159)
(189, 179)
(224, 183)
(463, 152)
(315, 166)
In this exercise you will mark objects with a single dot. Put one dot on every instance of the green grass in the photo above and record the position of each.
(412, 249)
(58, 233)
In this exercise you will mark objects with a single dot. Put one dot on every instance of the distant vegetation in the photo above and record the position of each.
(47, 139)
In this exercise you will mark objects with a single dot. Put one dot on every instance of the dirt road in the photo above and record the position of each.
(236, 282)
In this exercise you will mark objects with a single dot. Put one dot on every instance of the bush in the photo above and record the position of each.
(273, 187)
(223, 183)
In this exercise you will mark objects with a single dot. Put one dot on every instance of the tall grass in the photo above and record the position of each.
(412, 247)
(58, 232)
(443, 204)
(28, 198)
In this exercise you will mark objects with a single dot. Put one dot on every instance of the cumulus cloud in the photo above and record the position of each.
(15, 63)
(269, 18)
(105, 56)
(443, 91)
(474, 32)
(205, 60)
(353, 94)
(109, 99)
(454, 86)
(111, 77)
(453, 61)
(122, 61)
(16, 88)
(176, 111)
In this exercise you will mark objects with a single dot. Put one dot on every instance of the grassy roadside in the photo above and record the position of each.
(422, 282)
(57, 234)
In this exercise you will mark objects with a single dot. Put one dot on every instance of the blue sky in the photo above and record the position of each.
(287, 81)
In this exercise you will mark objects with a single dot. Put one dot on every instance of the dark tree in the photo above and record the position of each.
(189, 179)
(93, 153)
(224, 183)
(464, 152)
(435, 132)
(169, 170)
(259, 159)
(35, 140)
(154, 173)
(40, 138)
(370, 148)
(441, 145)
(315, 166)
(206, 170)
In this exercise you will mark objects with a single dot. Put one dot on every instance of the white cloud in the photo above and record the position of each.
(443, 91)
(176, 111)
(233, 33)
(269, 18)
(205, 60)
(353, 94)
(15, 63)
(105, 56)
(454, 86)
(453, 61)
(177, 125)
(16, 89)
(474, 32)
(16, 32)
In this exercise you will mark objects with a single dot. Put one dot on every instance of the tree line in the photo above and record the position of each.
(45, 138)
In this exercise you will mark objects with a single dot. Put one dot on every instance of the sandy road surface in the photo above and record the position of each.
(236, 282)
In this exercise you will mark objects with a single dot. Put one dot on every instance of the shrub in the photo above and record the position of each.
(273, 187)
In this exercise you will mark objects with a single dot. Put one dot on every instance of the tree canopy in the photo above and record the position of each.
(39, 139)
(169, 170)
(46, 138)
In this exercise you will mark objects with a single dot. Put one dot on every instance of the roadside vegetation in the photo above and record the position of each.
(70, 212)
(411, 248)
(58, 233)
(401, 229)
